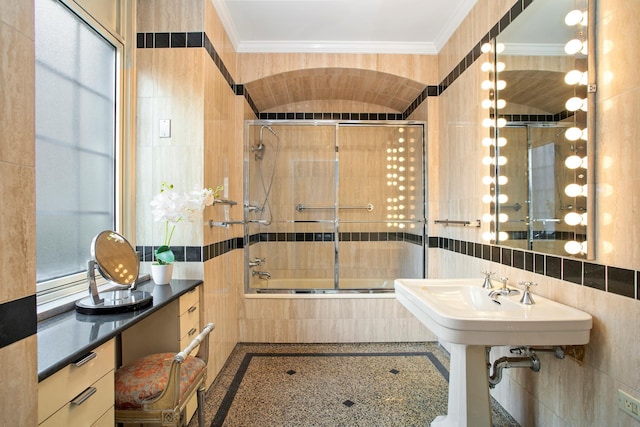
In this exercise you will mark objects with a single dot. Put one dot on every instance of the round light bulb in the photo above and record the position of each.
(486, 66)
(501, 103)
(573, 46)
(503, 198)
(584, 135)
(502, 180)
(573, 162)
(487, 217)
(487, 160)
(487, 180)
(502, 122)
(584, 49)
(585, 78)
(503, 236)
(573, 134)
(486, 84)
(584, 219)
(572, 247)
(487, 141)
(500, 66)
(499, 47)
(573, 18)
(573, 77)
(487, 235)
(503, 217)
(585, 191)
(487, 103)
(502, 160)
(583, 247)
(502, 141)
(573, 190)
(573, 218)
(573, 104)
(501, 84)
(487, 198)
(486, 47)
(488, 122)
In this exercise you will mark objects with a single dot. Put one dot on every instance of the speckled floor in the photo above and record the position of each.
(380, 384)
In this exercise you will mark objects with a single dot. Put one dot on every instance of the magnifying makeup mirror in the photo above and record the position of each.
(117, 261)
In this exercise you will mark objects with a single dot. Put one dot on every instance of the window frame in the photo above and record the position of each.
(58, 291)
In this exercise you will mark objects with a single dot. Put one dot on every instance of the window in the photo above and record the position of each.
(76, 137)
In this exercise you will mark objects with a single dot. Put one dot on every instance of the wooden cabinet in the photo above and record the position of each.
(80, 394)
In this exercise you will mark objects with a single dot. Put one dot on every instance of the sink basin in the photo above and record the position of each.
(461, 311)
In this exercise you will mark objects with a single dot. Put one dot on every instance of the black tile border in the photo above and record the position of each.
(19, 320)
(227, 401)
(610, 279)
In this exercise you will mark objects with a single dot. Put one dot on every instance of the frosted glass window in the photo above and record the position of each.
(75, 139)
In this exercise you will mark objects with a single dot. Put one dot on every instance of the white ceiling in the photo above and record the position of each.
(341, 26)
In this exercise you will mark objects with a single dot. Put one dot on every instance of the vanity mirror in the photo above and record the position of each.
(545, 106)
(117, 262)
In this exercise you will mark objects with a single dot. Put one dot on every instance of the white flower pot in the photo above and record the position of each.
(161, 274)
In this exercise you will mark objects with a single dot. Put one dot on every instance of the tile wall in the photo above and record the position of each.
(18, 351)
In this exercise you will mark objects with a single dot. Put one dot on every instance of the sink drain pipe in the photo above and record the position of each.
(531, 361)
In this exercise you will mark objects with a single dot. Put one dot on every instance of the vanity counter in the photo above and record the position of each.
(69, 336)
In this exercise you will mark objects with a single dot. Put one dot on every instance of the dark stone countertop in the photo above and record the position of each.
(67, 337)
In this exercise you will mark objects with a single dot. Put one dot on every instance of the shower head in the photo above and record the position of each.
(259, 149)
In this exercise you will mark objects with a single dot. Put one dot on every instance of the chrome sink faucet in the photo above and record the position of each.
(504, 290)
(527, 299)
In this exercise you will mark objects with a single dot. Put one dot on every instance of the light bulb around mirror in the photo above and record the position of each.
(584, 135)
(502, 141)
(502, 180)
(573, 77)
(501, 103)
(502, 122)
(502, 160)
(584, 192)
(584, 50)
(487, 180)
(503, 198)
(503, 217)
(487, 141)
(584, 219)
(573, 162)
(572, 247)
(488, 122)
(499, 47)
(487, 198)
(487, 217)
(501, 84)
(573, 133)
(486, 84)
(574, 17)
(573, 46)
(585, 105)
(487, 103)
(573, 190)
(583, 247)
(584, 162)
(486, 66)
(486, 47)
(502, 235)
(487, 160)
(487, 236)
(500, 66)
(573, 218)
(573, 104)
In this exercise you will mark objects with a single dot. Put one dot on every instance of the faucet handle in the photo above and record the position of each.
(527, 299)
(504, 281)
(487, 279)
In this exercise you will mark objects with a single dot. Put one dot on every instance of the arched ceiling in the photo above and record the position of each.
(541, 91)
(371, 87)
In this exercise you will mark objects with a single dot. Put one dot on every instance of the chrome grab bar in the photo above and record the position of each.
(446, 222)
(300, 207)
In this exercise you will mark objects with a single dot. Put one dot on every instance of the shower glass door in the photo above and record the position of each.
(333, 206)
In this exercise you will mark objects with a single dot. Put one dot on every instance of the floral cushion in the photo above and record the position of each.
(147, 377)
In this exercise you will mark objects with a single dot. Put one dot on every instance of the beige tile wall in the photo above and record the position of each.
(564, 392)
(17, 224)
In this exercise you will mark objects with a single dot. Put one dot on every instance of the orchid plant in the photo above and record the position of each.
(172, 207)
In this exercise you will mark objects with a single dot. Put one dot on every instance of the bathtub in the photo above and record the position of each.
(324, 285)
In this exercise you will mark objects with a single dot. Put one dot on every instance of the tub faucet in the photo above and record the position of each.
(504, 290)
(264, 275)
(256, 262)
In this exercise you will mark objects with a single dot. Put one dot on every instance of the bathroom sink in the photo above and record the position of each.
(461, 311)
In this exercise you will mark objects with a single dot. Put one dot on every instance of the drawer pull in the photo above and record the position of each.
(192, 331)
(85, 359)
(192, 309)
(82, 397)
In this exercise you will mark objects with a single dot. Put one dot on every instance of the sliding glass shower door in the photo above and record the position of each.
(333, 207)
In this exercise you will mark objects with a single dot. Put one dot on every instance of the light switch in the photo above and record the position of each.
(165, 128)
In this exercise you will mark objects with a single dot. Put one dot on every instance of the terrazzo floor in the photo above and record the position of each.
(351, 385)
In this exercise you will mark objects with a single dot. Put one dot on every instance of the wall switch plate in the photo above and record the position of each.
(165, 128)
(629, 404)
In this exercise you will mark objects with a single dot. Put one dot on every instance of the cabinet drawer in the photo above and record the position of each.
(189, 321)
(60, 388)
(189, 299)
(84, 411)
(107, 419)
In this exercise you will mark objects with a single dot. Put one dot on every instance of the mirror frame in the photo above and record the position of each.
(495, 191)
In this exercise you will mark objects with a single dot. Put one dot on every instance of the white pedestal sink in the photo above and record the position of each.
(460, 312)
